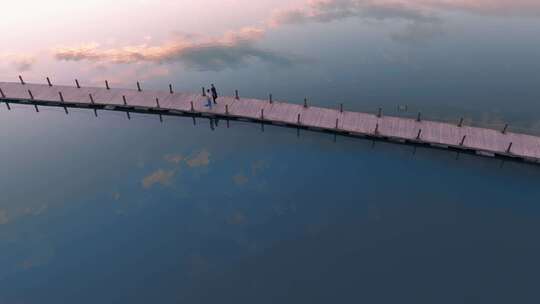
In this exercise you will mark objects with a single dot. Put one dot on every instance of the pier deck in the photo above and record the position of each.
(443, 135)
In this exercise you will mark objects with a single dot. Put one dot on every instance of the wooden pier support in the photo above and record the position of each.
(376, 132)
(463, 140)
(2, 93)
(270, 99)
(128, 116)
(124, 99)
(226, 109)
(77, 84)
(160, 118)
(91, 98)
(379, 114)
(262, 114)
(157, 103)
(61, 96)
(107, 85)
(505, 129)
(509, 150)
(298, 120)
(419, 134)
(49, 82)
(139, 87)
(21, 80)
(337, 123)
(31, 95)
(460, 122)
(170, 89)
(36, 107)
(236, 94)
(192, 107)
(7, 105)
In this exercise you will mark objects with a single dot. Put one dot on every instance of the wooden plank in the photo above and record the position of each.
(485, 141)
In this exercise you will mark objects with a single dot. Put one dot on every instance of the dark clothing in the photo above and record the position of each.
(214, 94)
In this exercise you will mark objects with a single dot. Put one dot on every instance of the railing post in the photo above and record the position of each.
(49, 81)
(31, 95)
(505, 129)
(298, 120)
(157, 103)
(509, 148)
(2, 93)
(61, 96)
(91, 98)
(107, 85)
(77, 84)
(460, 122)
(21, 79)
(376, 129)
(419, 118)
(192, 107)
(139, 87)
(262, 114)
(305, 103)
(270, 98)
(226, 109)
(170, 89)
(236, 94)
(124, 99)
(337, 123)
(341, 108)
(379, 114)
(203, 92)
(419, 134)
(463, 140)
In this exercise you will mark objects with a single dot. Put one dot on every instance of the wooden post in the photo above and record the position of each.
(22, 81)
(66, 110)
(236, 94)
(31, 96)
(460, 122)
(77, 84)
(7, 105)
(380, 113)
(341, 108)
(139, 87)
(157, 103)
(262, 114)
(36, 107)
(203, 91)
(170, 89)
(305, 103)
(160, 118)
(91, 98)
(107, 85)
(95, 112)
(337, 123)
(419, 134)
(227, 109)
(192, 107)
(298, 118)
(509, 148)
(376, 129)
(61, 96)
(128, 116)
(49, 81)
(505, 129)
(2, 93)
(124, 99)
(463, 140)
(419, 118)
(271, 99)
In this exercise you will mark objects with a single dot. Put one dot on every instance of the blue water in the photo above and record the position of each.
(114, 210)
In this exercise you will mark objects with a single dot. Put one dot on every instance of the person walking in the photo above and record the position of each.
(208, 99)
(214, 94)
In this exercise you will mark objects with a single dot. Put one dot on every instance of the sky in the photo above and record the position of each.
(125, 40)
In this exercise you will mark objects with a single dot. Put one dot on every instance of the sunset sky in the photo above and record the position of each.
(152, 39)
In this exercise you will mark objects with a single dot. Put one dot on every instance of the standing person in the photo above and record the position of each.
(214, 94)
(208, 99)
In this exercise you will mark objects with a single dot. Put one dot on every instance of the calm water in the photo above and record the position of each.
(110, 210)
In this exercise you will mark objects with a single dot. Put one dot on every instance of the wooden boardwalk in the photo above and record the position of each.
(482, 141)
